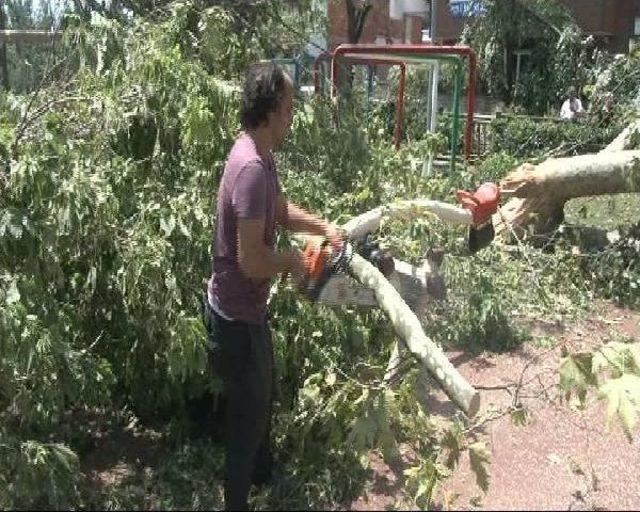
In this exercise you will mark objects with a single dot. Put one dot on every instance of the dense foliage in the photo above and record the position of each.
(526, 137)
(105, 237)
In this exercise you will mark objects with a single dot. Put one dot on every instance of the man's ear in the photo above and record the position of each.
(269, 120)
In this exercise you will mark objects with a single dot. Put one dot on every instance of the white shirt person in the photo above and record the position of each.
(572, 108)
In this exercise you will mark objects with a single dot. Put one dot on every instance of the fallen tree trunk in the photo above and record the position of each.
(541, 191)
(409, 329)
(417, 285)
(404, 320)
(404, 279)
(368, 222)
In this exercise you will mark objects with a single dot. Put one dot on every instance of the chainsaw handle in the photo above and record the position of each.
(336, 237)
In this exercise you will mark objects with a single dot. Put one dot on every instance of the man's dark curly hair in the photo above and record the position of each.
(264, 88)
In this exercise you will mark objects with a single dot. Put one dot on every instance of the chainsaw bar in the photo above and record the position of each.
(336, 287)
(342, 290)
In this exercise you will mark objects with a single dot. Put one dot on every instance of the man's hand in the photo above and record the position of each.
(296, 267)
(336, 235)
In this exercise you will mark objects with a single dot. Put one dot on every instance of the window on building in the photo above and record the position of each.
(636, 28)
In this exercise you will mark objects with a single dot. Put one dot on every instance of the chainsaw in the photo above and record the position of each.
(482, 204)
(327, 264)
(327, 270)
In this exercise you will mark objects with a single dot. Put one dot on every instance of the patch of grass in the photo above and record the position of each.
(543, 341)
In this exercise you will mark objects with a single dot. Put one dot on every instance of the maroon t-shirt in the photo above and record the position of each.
(248, 190)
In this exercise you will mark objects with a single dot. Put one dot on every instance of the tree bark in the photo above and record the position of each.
(624, 140)
(356, 18)
(368, 222)
(541, 191)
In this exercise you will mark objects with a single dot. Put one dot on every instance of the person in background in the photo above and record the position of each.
(572, 109)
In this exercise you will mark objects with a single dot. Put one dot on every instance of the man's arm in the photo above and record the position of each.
(256, 260)
(294, 218)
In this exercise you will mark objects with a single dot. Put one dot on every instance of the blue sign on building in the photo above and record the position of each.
(465, 8)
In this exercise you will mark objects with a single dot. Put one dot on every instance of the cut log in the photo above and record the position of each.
(416, 285)
(540, 192)
(410, 330)
(342, 290)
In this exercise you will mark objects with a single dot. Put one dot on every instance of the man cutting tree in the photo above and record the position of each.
(250, 204)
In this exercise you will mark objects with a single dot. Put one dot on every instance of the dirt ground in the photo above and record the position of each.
(560, 459)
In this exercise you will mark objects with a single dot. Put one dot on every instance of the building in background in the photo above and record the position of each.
(614, 23)
(389, 21)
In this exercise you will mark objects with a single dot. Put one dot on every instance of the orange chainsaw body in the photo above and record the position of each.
(317, 256)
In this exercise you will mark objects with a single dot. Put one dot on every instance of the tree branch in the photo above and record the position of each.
(361, 19)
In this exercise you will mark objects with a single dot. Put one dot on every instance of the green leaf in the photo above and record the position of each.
(363, 431)
(183, 229)
(623, 395)
(621, 357)
(519, 417)
(453, 443)
(90, 283)
(480, 458)
(330, 379)
(15, 229)
(576, 374)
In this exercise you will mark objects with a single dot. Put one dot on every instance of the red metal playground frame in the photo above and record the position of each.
(366, 61)
(395, 53)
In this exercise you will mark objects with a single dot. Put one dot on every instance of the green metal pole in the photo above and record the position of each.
(455, 125)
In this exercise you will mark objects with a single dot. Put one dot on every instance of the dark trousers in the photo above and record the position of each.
(242, 355)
